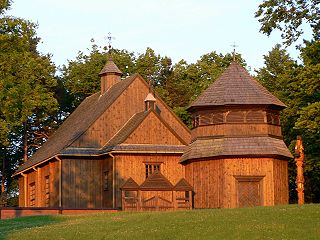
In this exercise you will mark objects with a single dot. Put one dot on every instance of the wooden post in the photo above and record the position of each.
(190, 200)
(139, 203)
(113, 181)
(299, 162)
(60, 181)
(174, 200)
(123, 203)
(38, 187)
(25, 188)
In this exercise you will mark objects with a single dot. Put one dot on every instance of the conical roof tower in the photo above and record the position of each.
(237, 136)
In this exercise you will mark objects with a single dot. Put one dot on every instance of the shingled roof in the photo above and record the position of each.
(156, 182)
(234, 87)
(235, 146)
(110, 67)
(77, 123)
(130, 184)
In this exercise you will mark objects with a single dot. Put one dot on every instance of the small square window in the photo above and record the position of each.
(151, 168)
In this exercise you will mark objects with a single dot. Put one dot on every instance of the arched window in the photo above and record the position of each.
(235, 117)
(217, 118)
(255, 117)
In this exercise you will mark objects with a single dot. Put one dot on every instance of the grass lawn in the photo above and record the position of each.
(280, 222)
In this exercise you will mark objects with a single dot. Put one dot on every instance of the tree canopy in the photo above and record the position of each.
(27, 92)
(288, 17)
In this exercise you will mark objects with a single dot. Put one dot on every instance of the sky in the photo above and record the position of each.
(180, 29)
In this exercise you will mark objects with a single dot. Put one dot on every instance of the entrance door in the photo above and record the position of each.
(249, 192)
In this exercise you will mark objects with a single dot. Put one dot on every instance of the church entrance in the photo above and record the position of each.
(249, 191)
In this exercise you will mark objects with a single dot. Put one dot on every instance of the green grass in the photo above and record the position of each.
(280, 222)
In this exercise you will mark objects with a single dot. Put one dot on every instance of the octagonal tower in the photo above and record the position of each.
(237, 157)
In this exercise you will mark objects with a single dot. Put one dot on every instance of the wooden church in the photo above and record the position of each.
(124, 148)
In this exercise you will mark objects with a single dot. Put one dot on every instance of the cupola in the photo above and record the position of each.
(109, 76)
(150, 102)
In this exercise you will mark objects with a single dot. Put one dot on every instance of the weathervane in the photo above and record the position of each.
(234, 50)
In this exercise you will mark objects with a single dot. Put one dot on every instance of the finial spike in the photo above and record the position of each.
(234, 50)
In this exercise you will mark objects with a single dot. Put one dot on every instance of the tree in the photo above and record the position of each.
(27, 88)
(299, 88)
(288, 17)
(80, 76)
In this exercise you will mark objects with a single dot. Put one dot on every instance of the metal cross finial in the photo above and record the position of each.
(109, 37)
(234, 50)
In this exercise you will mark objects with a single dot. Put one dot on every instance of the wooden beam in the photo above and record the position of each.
(38, 187)
(25, 188)
(60, 181)
(113, 181)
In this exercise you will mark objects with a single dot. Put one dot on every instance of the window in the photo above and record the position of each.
(105, 180)
(235, 117)
(196, 121)
(47, 191)
(151, 168)
(255, 117)
(32, 194)
(158, 110)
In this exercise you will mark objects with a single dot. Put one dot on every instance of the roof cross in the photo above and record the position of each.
(109, 37)
(234, 50)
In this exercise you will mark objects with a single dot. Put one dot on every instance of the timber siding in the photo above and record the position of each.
(215, 180)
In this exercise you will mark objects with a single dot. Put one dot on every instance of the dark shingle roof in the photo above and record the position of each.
(235, 146)
(130, 184)
(78, 122)
(150, 147)
(183, 185)
(156, 182)
(110, 67)
(236, 87)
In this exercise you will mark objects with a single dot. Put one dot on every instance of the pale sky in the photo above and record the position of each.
(180, 29)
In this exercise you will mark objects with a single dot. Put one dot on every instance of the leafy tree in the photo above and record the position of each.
(27, 88)
(80, 76)
(288, 17)
(299, 88)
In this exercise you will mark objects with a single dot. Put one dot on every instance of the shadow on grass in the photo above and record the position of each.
(9, 226)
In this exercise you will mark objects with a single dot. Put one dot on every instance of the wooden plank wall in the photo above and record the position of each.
(82, 183)
(153, 131)
(134, 166)
(281, 187)
(130, 102)
(215, 183)
(21, 192)
(38, 176)
(236, 129)
(107, 193)
(206, 177)
(248, 167)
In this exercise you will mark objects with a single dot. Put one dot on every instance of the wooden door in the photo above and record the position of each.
(249, 193)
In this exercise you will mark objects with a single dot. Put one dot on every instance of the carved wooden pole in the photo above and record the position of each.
(299, 162)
